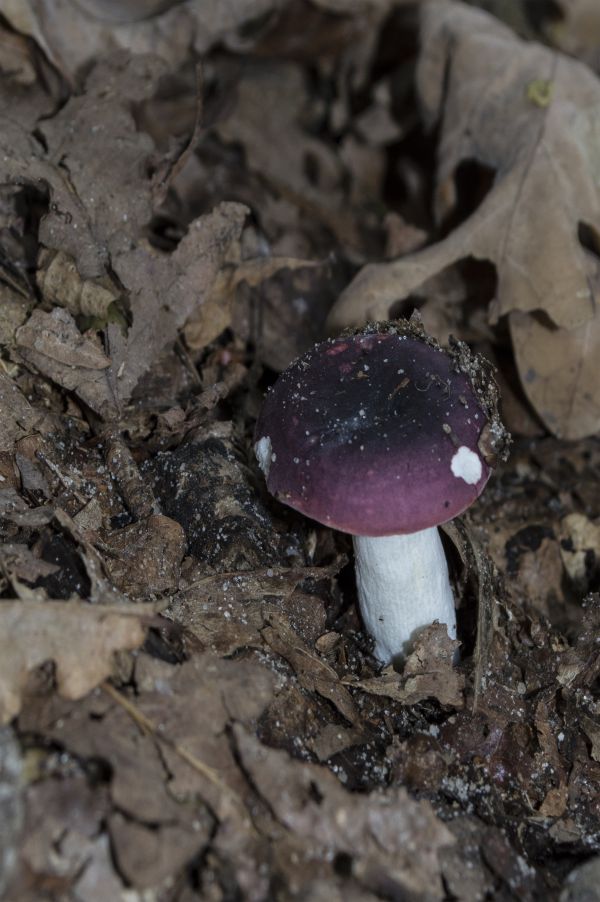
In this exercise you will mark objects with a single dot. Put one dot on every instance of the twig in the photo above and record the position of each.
(145, 724)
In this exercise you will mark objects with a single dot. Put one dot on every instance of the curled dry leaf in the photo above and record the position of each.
(60, 283)
(79, 638)
(55, 335)
(531, 116)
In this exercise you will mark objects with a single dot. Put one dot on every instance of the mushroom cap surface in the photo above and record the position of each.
(374, 434)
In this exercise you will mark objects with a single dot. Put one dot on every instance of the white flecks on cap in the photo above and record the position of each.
(264, 456)
(466, 465)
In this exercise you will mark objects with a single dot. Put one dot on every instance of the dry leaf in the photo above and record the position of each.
(13, 313)
(559, 373)
(52, 344)
(227, 611)
(165, 289)
(532, 117)
(79, 638)
(97, 218)
(215, 314)
(145, 557)
(61, 284)
(268, 113)
(378, 832)
(55, 335)
(312, 672)
(429, 672)
(271, 100)
(23, 162)
(17, 417)
(147, 856)
(17, 560)
(29, 87)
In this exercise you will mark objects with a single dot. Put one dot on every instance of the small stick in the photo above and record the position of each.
(146, 725)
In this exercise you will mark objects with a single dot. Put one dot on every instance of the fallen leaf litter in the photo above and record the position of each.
(190, 708)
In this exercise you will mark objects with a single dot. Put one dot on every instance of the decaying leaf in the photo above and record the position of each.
(53, 345)
(376, 831)
(14, 308)
(227, 611)
(206, 487)
(79, 638)
(164, 290)
(145, 557)
(312, 672)
(429, 672)
(144, 312)
(539, 219)
(96, 219)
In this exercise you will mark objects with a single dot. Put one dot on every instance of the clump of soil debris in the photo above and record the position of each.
(191, 195)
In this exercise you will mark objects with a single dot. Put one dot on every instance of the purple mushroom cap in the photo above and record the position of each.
(374, 434)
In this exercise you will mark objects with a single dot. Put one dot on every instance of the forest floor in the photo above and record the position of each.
(191, 195)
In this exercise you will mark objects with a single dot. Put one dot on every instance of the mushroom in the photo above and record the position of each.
(384, 435)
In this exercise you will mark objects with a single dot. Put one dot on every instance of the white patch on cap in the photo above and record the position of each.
(466, 465)
(264, 456)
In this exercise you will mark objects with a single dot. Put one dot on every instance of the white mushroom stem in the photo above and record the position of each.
(403, 585)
